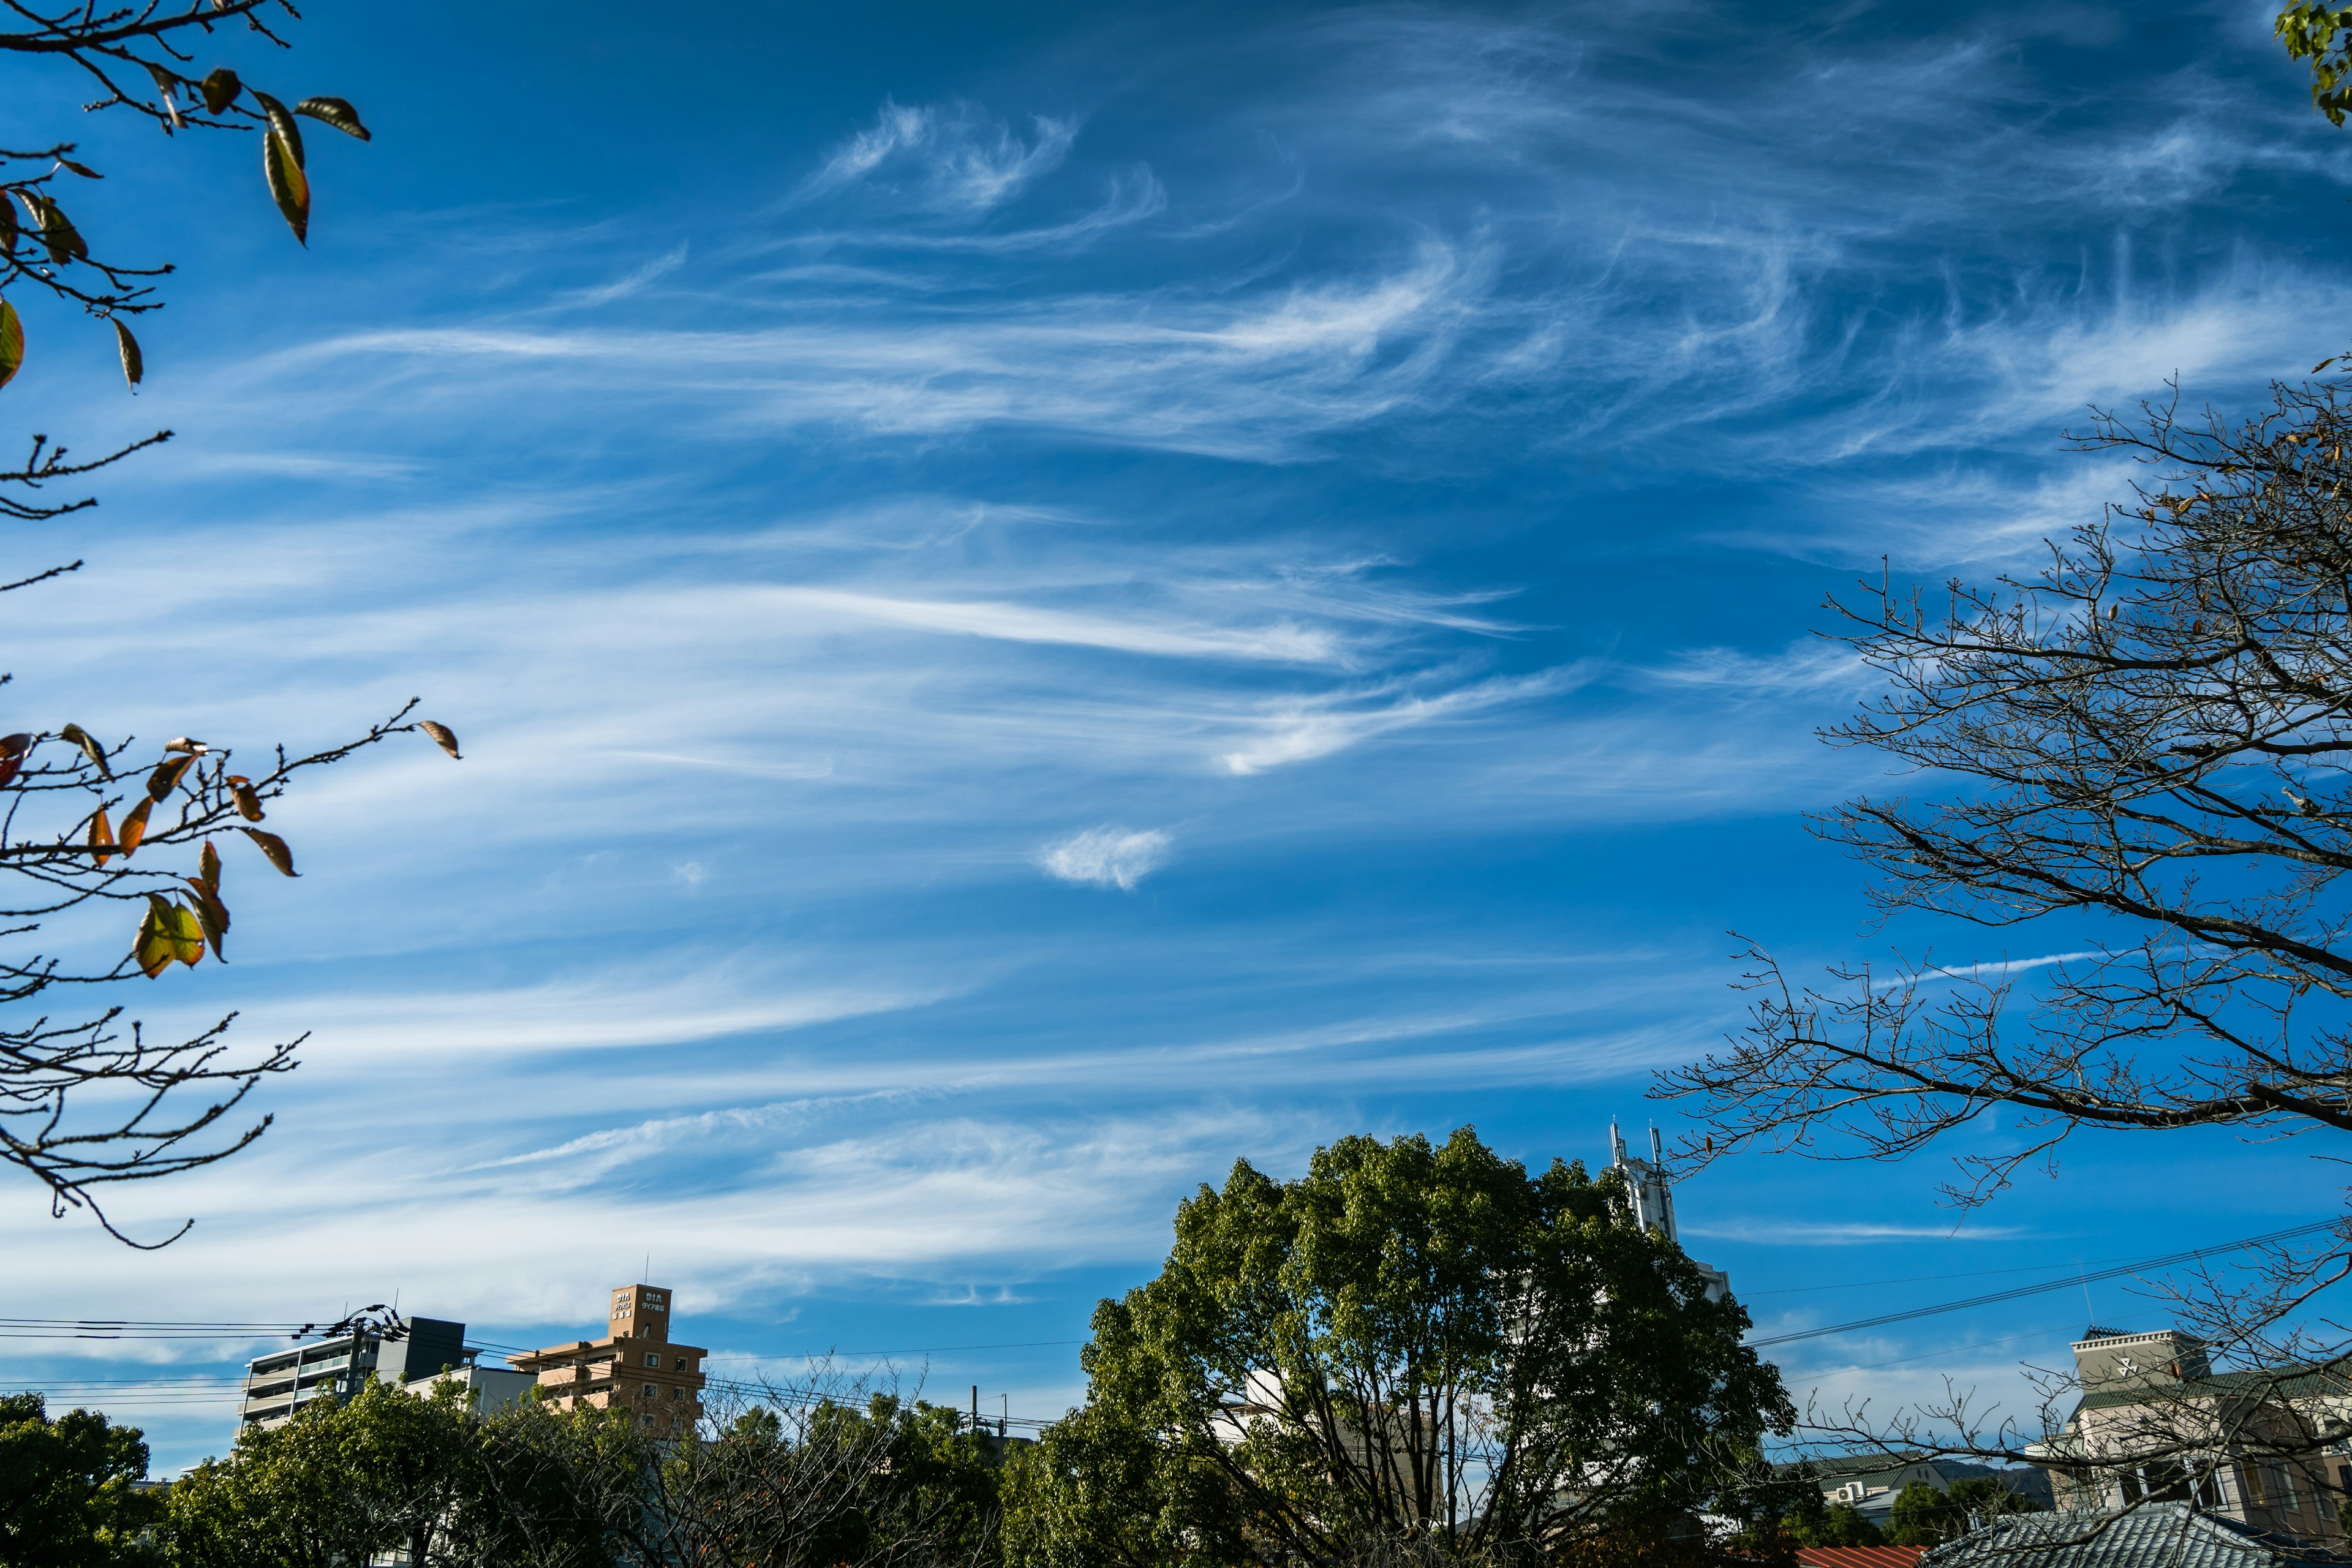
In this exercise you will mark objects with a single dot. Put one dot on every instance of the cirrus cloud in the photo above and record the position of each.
(1107, 857)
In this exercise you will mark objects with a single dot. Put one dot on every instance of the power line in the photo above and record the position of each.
(2022, 1291)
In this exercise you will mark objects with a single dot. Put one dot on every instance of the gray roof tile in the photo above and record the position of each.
(2154, 1535)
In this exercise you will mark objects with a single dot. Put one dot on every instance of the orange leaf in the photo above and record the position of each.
(101, 832)
(166, 776)
(248, 801)
(134, 827)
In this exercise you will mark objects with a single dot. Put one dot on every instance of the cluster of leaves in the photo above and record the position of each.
(69, 1493)
(1408, 1342)
(73, 836)
(46, 250)
(2322, 34)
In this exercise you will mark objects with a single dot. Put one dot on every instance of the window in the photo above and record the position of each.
(653, 1359)
(684, 1365)
(676, 1392)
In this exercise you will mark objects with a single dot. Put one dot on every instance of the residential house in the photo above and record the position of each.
(2154, 1421)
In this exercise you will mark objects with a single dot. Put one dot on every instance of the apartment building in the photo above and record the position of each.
(276, 1385)
(634, 1366)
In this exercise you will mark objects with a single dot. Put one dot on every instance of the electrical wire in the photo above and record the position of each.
(2020, 1291)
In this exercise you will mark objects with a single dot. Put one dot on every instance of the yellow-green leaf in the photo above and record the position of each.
(171, 934)
(151, 950)
(289, 186)
(134, 365)
(283, 123)
(335, 111)
(134, 827)
(273, 846)
(12, 342)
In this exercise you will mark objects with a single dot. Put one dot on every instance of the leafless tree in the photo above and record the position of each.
(2155, 728)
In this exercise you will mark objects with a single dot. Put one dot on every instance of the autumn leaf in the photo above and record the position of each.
(166, 776)
(171, 934)
(12, 342)
(90, 747)
(283, 123)
(443, 736)
(12, 756)
(151, 950)
(212, 915)
(273, 846)
(220, 88)
(194, 748)
(84, 170)
(7, 229)
(134, 827)
(134, 364)
(335, 111)
(101, 836)
(64, 241)
(289, 186)
(248, 800)
(208, 864)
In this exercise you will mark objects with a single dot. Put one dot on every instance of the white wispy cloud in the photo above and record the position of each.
(1108, 857)
(955, 156)
(1299, 730)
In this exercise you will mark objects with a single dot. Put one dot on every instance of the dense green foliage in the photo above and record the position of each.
(66, 1498)
(1409, 1343)
(814, 1481)
(1924, 1516)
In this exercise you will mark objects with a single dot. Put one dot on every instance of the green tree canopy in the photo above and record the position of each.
(1923, 1516)
(1409, 1342)
(66, 1497)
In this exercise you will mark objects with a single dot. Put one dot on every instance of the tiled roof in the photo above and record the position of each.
(1859, 1556)
(2154, 1535)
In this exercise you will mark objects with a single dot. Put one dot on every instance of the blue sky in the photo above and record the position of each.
(1040, 601)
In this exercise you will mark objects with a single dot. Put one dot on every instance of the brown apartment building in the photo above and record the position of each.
(634, 1367)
